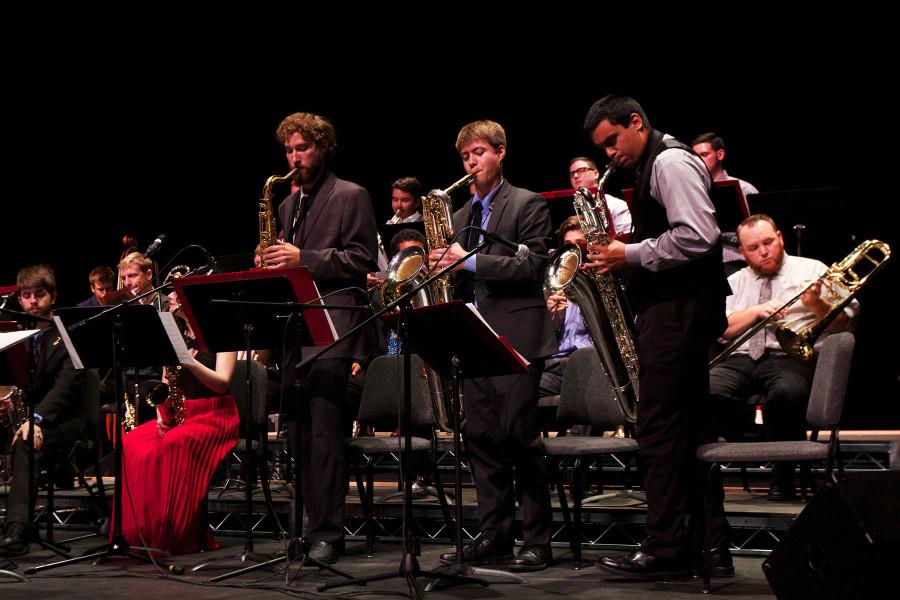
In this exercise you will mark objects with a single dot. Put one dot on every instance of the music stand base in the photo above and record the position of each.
(297, 549)
(118, 549)
(409, 570)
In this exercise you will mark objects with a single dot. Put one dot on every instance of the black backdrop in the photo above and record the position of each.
(182, 144)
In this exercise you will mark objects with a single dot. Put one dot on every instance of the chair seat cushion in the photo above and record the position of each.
(581, 445)
(764, 451)
(384, 444)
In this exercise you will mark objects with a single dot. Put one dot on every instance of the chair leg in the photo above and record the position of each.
(576, 509)
(442, 496)
(707, 530)
(370, 500)
(744, 479)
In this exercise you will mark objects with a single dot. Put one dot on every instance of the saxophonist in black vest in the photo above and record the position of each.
(677, 290)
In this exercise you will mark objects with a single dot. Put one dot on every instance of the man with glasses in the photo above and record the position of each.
(583, 172)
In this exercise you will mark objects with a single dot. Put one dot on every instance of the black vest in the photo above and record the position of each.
(701, 277)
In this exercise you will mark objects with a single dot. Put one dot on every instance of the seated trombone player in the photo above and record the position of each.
(760, 291)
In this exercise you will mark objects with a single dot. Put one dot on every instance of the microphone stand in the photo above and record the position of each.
(117, 546)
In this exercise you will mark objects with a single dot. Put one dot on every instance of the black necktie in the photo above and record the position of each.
(474, 221)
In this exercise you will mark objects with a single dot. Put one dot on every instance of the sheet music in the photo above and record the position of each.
(474, 310)
(175, 338)
(77, 363)
(327, 316)
(8, 339)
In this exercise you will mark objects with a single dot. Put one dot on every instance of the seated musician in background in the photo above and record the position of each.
(167, 464)
(583, 172)
(103, 281)
(711, 148)
(771, 278)
(58, 410)
(136, 272)
(406, 200)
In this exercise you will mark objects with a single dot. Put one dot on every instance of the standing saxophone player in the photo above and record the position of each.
(328, 227)
(501, 430)
(677, 290)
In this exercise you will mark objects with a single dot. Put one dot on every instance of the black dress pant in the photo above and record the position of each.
(503, 440)
(321, 421)
(672, 421)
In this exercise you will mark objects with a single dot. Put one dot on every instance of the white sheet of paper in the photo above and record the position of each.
(174, 334)
(64, 334)
(8, 339)
(478, 314)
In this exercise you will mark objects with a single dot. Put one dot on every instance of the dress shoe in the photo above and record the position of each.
(638, 565)
(534, 557)
(484, 551)
(14, 541)
(721, 562)
(323, 552)
(779, 493)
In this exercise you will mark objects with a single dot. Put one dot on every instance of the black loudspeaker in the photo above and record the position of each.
(845, 544)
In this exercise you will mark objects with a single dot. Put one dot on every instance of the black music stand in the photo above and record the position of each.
(138, 340)
(245, 311)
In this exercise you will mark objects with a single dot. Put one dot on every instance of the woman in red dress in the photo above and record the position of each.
(167, 466)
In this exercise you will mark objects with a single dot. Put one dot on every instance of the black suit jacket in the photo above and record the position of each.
(337, 241)
(57, 389)
(509, 289)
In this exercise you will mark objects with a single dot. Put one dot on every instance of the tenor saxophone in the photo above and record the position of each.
(267, 228)
(611, 330)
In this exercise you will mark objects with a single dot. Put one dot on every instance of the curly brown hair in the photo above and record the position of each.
(312, 127)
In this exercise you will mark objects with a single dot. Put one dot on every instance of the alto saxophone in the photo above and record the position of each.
(168, 399)
(267, 229)
(611, 330)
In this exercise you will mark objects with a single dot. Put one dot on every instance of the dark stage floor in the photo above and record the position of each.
(122, 578)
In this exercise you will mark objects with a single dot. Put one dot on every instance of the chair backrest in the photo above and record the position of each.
(382, 395)
(586, 397)
(238, 389)
(829, 385)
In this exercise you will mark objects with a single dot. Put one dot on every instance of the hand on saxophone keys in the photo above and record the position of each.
(440, 258)
(604, 258)
(281, 254)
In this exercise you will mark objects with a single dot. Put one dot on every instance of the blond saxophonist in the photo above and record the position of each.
(328, 227)
(501, 427)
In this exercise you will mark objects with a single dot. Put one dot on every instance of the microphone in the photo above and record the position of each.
(213, 264)
(155, 245)
(520, 250)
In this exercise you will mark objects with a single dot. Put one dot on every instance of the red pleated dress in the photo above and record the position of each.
(165, 477)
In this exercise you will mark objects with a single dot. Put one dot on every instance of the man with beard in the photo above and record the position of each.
(770, 279)
(501, 429)
(677, 291)
(329, 228)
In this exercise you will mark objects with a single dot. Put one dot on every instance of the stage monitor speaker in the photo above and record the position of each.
(844, 544)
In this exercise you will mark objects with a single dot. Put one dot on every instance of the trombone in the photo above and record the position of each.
(799, 344)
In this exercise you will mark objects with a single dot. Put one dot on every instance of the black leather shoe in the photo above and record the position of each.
(721, 562)
(323, 552)
(14, 541)
(638, 565)
(535, 557)
(483, 551)
(778, 493)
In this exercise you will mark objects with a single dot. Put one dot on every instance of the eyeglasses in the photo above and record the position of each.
(577, 172)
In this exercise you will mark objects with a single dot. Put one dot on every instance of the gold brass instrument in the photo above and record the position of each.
(18, 412)
(611, 329)
(168, 398)
(267, 228)
(409, 267)
(842, 280)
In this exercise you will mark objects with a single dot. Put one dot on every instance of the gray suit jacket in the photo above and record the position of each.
(337, 241)
(508, 289)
